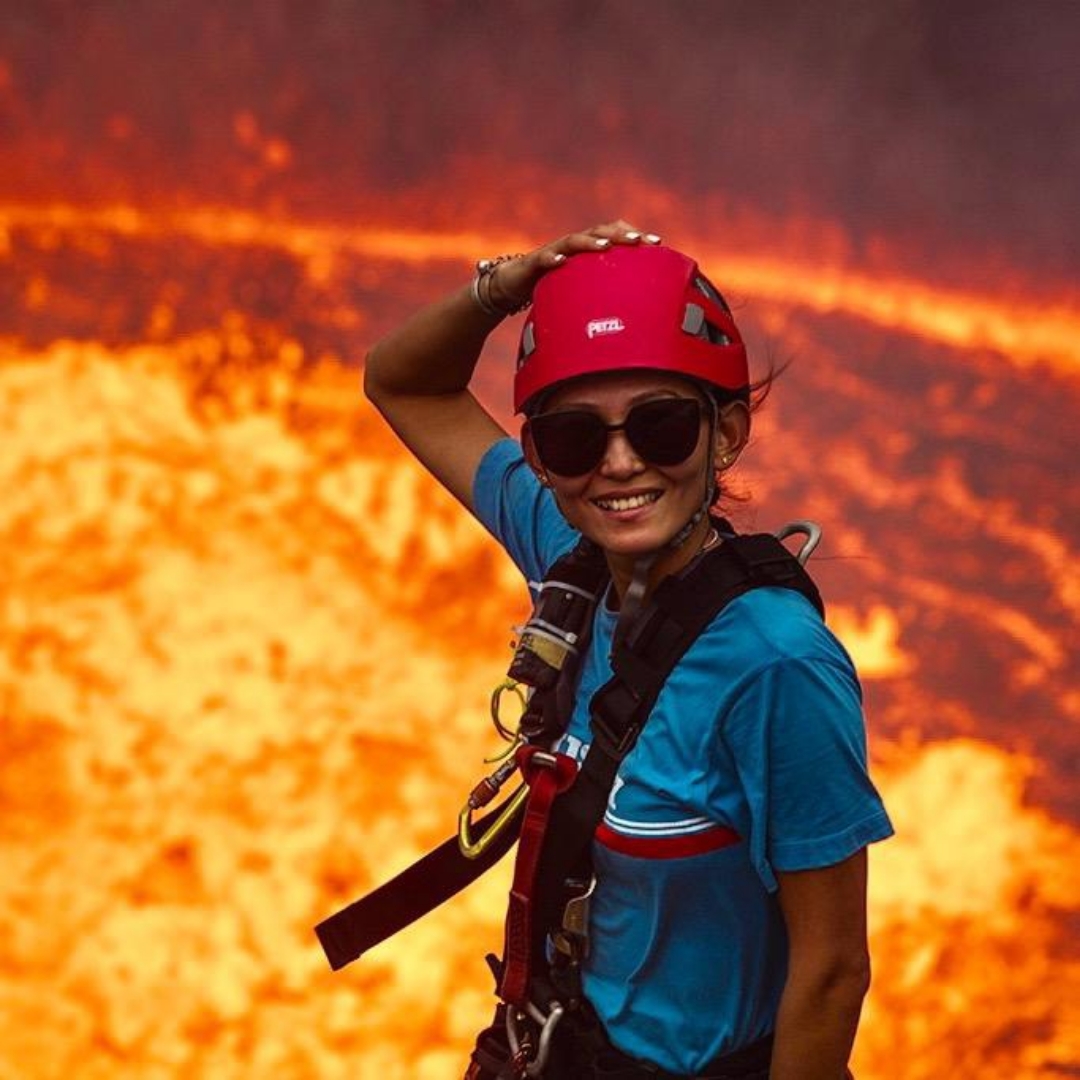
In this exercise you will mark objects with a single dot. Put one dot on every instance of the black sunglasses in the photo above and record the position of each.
(572, 442)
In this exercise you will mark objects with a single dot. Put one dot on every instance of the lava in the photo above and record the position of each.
(245, 655)
(1025, 330)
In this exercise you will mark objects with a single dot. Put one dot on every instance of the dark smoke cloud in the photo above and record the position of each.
(955, 123)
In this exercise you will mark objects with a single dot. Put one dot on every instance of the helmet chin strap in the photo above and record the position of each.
(635, 592)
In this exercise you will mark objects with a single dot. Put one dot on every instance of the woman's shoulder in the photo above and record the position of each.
(520, 513)
(775, 624)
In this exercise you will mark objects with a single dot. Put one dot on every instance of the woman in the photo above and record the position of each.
(727, 933)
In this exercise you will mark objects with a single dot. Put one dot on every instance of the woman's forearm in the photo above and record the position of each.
(816, 1024)
(434, 352)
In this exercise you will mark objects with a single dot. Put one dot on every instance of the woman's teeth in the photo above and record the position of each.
(629, 502)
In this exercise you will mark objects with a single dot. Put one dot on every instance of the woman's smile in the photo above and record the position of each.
(626, 502)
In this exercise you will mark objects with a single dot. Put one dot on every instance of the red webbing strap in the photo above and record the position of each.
(547, 775)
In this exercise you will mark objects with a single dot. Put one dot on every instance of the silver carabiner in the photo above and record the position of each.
(810, 529)
(547, 1026)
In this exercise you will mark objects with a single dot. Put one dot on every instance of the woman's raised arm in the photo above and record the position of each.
(418, 375)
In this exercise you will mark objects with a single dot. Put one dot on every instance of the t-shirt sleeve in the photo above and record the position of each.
(797, 737)
(518, 511)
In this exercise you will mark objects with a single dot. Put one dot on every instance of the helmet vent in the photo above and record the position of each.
(708, 289)
(694, 320)
(695, 323)
(528, 344)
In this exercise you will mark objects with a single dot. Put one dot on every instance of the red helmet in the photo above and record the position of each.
(628, 307)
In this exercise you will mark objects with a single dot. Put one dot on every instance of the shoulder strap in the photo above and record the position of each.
(680, 609)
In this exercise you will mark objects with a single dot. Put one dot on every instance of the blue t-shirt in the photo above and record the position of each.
(753, 760)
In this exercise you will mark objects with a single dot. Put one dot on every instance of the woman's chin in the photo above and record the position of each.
(628, 542)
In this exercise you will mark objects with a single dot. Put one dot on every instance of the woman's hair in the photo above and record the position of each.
(753, 396)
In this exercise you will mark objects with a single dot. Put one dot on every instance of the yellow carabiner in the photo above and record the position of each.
(496, 700)
(473, 849)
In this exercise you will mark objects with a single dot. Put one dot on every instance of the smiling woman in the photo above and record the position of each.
(630, 459)
(689, 896)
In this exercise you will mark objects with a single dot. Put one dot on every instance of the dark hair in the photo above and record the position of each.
(753, 396)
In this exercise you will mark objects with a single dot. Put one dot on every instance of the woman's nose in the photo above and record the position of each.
(619, 457)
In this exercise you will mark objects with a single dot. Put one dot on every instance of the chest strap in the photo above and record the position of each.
(679, 610)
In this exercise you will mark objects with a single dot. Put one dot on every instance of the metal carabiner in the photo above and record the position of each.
(473, 849)
(810, 529)
(547, 1025)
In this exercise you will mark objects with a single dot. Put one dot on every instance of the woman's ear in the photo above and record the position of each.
(732, 433)
(531, 458)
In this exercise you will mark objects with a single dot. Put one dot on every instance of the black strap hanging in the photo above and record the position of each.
(541, 661)
(421, 888)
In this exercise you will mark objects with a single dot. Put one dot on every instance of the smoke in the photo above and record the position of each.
(941, 128)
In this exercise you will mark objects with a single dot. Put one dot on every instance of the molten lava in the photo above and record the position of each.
(245, 650)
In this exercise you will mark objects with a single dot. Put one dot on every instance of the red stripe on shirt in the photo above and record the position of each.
(667, 847)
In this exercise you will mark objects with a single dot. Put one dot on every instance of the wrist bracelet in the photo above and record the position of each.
(481, 288)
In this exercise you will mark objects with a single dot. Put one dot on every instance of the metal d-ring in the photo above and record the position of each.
(810, 529)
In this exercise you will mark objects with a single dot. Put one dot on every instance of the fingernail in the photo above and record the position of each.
(652, 238)
(559, 258)
(633, 236)
(603, 242)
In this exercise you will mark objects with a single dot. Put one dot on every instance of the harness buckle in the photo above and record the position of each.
(572, 938)
(519, 1034)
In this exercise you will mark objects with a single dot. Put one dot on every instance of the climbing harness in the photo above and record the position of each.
(553, 874)
(679, 609)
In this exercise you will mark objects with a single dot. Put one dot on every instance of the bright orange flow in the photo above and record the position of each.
(1023, 329)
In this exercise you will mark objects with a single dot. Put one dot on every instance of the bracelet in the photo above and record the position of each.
(481, 288)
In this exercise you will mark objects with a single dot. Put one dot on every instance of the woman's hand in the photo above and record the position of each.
(512, 282)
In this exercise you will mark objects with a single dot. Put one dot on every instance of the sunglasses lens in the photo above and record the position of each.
(573, 442)
(569, 443)
(666, 431)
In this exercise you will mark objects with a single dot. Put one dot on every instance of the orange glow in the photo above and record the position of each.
(244, 660)
(872, 641)
(247, 644)
(1025, 331)
(960, 905)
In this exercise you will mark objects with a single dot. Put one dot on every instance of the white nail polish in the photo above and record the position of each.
(633, 236)
(603, 242)
(559, 258)
(652, 238)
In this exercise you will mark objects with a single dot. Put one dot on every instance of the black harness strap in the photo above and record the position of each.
(444, 872)
(680, 609)
(421, 888)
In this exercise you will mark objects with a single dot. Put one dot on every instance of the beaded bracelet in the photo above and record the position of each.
(481, 287)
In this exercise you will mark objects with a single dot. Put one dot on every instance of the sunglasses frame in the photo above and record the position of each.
(634, 435)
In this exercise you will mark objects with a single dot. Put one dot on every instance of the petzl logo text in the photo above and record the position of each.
(603, 326)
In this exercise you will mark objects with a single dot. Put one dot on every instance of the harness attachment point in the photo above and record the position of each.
(523, 1061)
